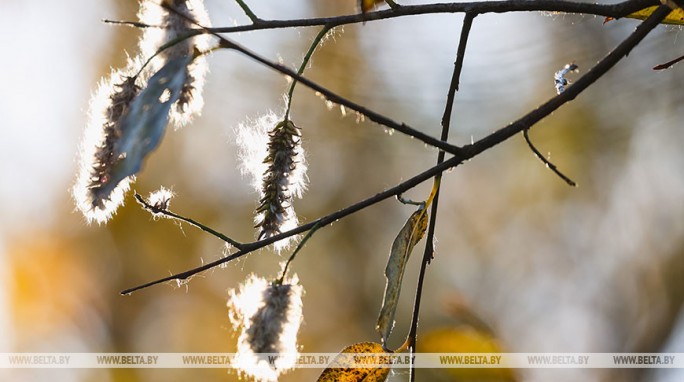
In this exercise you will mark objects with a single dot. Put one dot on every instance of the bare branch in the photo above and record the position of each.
(461, 155)
(172, 215)
(248, 12)
(573, 90)
(320, 223)
(547, 162)
(338, 99)
(480, 7)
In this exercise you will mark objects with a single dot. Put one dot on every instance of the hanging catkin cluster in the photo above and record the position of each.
(282, 181)
(95, 194)
(268, 316)
(111, 152)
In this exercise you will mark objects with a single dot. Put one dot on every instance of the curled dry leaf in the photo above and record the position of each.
(409, 235)
(342, 369)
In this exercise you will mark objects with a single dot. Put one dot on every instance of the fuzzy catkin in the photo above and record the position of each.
(95, 197)
(268, 317)
(283, 180)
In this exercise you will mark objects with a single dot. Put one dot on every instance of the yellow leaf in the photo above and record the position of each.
(336, 370)
(465, 339)
(367, 5)
(403, 244)
(675, 17)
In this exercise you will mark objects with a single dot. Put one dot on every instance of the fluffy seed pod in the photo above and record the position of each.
(268, 317)
(283, 180)
(96, 197)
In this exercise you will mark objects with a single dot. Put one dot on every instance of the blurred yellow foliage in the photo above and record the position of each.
(465, 339)
(49, 286)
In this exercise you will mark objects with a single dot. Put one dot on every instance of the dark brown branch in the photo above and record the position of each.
(320, 223)
(338, 99)
(429, 240)
(546, 162)
(668, 64)
(573, 90)
(466, 153)
(608, 10)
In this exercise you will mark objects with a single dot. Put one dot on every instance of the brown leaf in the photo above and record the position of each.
(337, 370)
(409, 235)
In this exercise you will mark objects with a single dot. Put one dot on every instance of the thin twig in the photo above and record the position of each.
(668, 64)
(547, 162)
(248, 12)
(429, 251)
(132, 24)
(302, 67)
(401, 199)
(294, 254)
(468, 152)
(172, 215)
(392, 4)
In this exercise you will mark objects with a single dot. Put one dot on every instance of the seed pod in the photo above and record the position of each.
(283, 180)
(268, 316)
(97, 153)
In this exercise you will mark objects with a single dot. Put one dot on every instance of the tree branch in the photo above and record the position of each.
(338, 99)
(608, 10)
(531, 118)
(465, 153)
(319, 223)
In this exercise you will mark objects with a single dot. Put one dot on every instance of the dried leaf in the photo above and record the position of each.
(145, 121)
(337, 370)
(409, 235)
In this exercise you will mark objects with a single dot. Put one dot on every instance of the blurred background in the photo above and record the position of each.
(545, 267)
